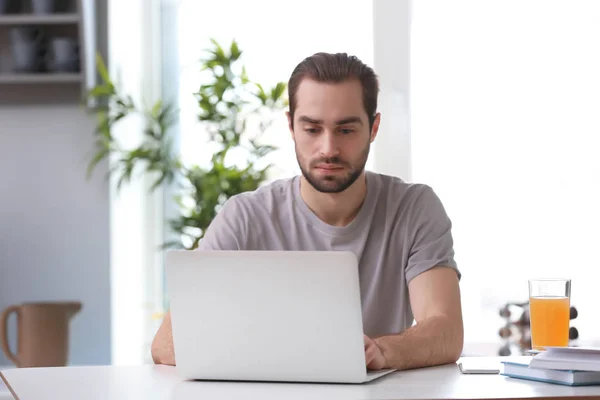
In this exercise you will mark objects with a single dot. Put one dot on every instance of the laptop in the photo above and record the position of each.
(275, 316)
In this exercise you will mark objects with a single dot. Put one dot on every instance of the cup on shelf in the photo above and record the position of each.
(9, 6)
(62, 55)
(4, 6)
(43, 6)
(26, 58)
(25, 34)
(26, 48)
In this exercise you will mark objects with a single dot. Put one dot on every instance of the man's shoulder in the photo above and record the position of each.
(407, 201)
(397, 189)
(267, 196)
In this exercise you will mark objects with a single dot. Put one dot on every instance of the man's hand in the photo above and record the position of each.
(374, 355)
(162, 345)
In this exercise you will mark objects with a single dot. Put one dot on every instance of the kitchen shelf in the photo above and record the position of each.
(33, 19)
(76, 20)
(37, 78)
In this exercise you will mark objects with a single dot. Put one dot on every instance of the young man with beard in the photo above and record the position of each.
(399, 232)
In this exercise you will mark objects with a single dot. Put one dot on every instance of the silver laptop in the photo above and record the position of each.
(267, 316)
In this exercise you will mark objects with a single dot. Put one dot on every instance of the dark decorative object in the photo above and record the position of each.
(516, 331)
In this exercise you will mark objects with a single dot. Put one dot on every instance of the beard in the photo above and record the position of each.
(334, 183)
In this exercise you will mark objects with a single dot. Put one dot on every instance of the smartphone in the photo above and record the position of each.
(532, 352)
(474, 367)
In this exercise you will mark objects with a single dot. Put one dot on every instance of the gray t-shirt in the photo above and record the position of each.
(401, 230)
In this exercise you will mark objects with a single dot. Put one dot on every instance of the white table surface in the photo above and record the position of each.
(4, 393)
(150, 382)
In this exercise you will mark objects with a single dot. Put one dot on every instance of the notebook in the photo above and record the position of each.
(568, 358)
(560, 377)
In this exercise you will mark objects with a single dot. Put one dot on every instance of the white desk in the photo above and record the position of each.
(150, 382)
(4, 393)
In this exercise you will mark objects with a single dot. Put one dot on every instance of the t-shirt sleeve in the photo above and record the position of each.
(431, 231)
(227, 231)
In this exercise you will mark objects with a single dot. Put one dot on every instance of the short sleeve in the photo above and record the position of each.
(227, 231)
(431, 231)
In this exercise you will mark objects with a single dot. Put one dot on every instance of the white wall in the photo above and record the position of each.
(54, 232)
(54, 224)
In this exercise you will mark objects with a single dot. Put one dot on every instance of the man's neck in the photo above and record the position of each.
(337, 209)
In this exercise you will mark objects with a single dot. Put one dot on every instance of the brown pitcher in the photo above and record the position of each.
(42, 333)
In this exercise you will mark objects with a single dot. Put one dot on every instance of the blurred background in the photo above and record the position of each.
(493, 104)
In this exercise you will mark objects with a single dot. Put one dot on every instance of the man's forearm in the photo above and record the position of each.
(163, 351)
(434, 341)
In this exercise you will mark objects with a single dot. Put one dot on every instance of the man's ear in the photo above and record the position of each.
(375, 127)
(290, 123)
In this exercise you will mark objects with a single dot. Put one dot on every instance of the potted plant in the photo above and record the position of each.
(227, 101)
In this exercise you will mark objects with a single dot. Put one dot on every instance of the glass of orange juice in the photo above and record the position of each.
(549, 306)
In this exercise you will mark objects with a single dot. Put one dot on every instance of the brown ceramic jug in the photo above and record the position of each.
(42, 333)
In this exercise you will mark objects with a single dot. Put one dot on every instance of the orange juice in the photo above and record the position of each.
(549, 321)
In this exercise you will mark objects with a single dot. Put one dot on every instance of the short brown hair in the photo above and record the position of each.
(335, 68)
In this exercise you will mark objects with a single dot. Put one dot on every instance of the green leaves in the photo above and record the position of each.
(278, 91)
(235, 52)
(102, 70)
(261, 94)
(226, 100)
(274, 98)
(244, 76)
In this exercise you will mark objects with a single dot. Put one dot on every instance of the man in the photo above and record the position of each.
(400, 232)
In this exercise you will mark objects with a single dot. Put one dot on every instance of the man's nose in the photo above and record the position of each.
(329, 145)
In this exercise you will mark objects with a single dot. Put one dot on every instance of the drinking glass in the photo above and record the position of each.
(549, 309)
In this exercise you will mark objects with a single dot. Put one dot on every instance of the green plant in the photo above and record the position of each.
(228, 102)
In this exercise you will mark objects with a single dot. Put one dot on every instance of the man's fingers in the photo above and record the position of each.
(369, 353)
(370, 350)
(369, 366)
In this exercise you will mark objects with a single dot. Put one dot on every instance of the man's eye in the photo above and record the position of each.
(311, 130)
(346, 131)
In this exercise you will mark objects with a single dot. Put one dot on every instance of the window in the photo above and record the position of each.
(505, 127)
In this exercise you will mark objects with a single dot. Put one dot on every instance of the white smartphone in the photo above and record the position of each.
(532, 352)
(474, 367)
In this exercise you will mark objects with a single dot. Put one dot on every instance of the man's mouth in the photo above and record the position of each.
(329, 167)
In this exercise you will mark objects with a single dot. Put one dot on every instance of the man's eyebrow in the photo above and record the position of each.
(309, 120)
(343, 121)
(349, 120)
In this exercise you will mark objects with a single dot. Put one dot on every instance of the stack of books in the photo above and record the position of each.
(572, 366)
